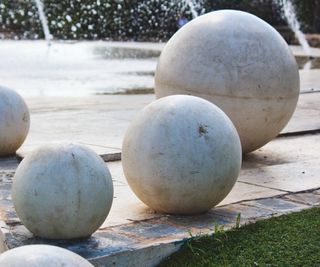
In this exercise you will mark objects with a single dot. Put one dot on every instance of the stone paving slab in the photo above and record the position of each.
(244, 191)
(309, 80)
(305, 198)
(297, 50)
(127, 208)
(146, 243)
(284, 150)
(279, 178)
(135, 210)
(96, 121)
(293, 177)
(306, 117)
(264, 174)
(101, 121)
(271, 183)
(277, 205)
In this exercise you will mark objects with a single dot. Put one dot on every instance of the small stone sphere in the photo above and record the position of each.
(62, 192)
(181, 155)
(238, 62)
(14, 121)
(42, 256)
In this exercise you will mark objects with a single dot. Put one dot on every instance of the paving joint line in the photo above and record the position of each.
(243, 202)
(312, 91)
(273, 188)
(298, 133)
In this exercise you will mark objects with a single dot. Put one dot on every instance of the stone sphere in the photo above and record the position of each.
(41, 256)
(14, 121)
(238, 62)
(181, 155)
(62, 192)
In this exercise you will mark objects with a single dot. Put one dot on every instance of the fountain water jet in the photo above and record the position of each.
(44, 22)
(290, 15)
(192, 4)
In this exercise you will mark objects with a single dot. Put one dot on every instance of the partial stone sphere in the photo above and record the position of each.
(181, 155)
(41, 256)
(62, 192)
(14, 121)
(238, 62)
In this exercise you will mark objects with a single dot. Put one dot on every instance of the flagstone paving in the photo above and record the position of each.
(279, 178)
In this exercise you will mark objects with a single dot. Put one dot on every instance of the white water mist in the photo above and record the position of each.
(193, 6)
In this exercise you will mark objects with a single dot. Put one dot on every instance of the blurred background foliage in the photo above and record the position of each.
(140, 20)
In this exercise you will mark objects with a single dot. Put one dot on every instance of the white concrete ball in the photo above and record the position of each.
(42, 256)
(238, 62)
(62, 192)
(181, 155)
(14, 121)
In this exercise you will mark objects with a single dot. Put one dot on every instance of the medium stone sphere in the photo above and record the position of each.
(181, 155)
(41, 256)
(62, 192)
(14, 121)
(238, 62)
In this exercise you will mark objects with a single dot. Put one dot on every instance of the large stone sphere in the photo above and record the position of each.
(181, 155)
(41, 256)
(14, 121)
(238, 62)
(62, 192)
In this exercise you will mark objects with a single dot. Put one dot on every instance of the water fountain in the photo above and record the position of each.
(63, 69)
(193, 6)
(290, 15)
(69, 69)
(44, 22)
(35, 66)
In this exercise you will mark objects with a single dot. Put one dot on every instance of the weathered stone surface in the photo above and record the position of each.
(276, 169)
(245, 213)
(238, 62)
(277, 205)
(14, 121)
(102, 120)
(63, 191)
(244, 191)
(100, 123)
(42, 255)
(181, 155)
(306, 117)
(305, 198)
(290, 177)
(135, 235)
(282, 151)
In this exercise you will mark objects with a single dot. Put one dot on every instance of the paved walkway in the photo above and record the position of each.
(281, 177)
(101, 121)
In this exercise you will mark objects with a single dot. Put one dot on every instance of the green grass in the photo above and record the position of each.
(289, 240)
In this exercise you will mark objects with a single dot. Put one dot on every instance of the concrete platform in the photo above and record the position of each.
(281, 177)
(101, 121)
(96, 121)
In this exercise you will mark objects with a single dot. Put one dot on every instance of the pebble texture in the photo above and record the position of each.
(238, 62)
